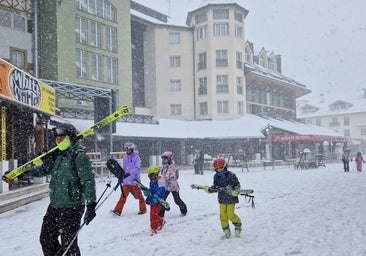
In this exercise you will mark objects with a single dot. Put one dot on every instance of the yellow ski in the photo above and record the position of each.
(11, 175)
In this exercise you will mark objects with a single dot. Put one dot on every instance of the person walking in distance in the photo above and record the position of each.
(170, 176)
(72, 187)
(345, 159)
(359, 161)
(132, 166)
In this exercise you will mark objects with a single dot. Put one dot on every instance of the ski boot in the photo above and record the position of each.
(237, 229)
(226, 234)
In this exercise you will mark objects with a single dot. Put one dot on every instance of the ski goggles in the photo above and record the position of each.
(219, 168)
(59, 132)
(164, 157)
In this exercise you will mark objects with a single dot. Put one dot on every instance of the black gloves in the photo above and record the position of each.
(90, 213)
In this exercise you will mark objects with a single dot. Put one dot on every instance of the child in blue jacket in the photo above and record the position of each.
(157, 190)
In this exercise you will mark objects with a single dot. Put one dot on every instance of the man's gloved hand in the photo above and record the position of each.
(235, 192)
(90, 213)
(145, 192)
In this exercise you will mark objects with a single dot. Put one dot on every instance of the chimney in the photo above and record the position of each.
(321, 98)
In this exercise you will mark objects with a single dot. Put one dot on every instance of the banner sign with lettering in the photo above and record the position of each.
(20, 87)
(308, 138)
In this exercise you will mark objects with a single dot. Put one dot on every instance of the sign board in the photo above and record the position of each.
(308, 138)
(20, 87)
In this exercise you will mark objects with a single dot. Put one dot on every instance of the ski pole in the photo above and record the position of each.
(83, 224)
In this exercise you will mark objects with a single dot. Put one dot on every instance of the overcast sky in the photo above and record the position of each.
(322, 43)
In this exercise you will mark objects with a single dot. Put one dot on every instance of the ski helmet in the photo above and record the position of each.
(167, 155)
(219, 164)
(64, 129)
(130, 146)
(153, 169)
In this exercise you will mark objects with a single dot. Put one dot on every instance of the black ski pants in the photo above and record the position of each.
(178, 201)
(63, 222)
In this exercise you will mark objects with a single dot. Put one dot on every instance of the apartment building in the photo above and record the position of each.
(83, 42)
(16, 34)
(207, 70)
(344, 114)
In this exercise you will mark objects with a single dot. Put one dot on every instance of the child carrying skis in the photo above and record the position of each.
(227, 185)
(156, 190)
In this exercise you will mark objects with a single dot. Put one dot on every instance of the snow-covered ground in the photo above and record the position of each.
(298, 212)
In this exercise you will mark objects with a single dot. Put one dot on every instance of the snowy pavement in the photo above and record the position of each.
(298, 212)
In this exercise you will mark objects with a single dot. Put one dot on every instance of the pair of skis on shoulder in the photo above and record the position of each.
(243, 192)
(115, 168)
(11, 175)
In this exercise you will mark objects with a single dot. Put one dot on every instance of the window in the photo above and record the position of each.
(19, 22)
(240, 108)
(347, 132)
(81, 27)
(202, 89)
(318, 122)
(346, 120)
(111, 70)
(174, 61)
(239, 60)
(203, 109)
(363, 131)
(238, 16)
(5, 18)
(201, 32)
(239, 85)
(238, 31)
(18, 57)
(221, 29)
(102, 8)
(111, 38)
(175, 109)
(334, 122)
(96, 34)
(222, 84)
(174, 38)
(201, 17)
(221, 58)
(81, 64)
(263, 61)
(223, 107)
(220, 14)
(175, 85)
(202, 61)
(97, 67)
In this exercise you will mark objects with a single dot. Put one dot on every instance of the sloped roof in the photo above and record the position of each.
(249, 126)
(356, 101)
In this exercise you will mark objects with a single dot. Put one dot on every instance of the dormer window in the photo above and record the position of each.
(338, 105)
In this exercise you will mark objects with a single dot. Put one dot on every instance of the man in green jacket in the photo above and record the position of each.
(72, 186)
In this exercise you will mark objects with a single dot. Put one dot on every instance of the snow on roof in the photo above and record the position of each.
(249, 126)
(356, 101)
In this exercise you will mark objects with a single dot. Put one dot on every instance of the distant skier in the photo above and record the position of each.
(229, 186)
(359, 161)
(345, 159)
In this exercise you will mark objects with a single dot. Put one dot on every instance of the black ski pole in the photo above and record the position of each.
(108, 185)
